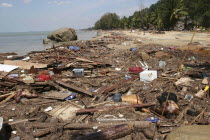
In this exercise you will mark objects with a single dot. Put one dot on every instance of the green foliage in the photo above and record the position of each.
(123, 23)
(108, 21)
(164, 15)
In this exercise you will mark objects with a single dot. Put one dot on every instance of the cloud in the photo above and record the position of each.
(8, 5)
(27, 1)
(57, 2)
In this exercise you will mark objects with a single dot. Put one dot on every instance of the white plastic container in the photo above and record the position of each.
(148, 76)
(78, 72)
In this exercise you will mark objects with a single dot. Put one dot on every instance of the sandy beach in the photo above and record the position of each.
(170, 38)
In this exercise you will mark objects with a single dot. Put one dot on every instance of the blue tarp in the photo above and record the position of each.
(74, 48)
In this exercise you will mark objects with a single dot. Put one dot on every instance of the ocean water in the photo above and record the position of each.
(24, 42)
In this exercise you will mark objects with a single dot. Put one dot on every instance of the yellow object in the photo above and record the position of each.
(133, 99)
(206, 88)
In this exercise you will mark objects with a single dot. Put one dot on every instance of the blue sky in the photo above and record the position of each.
(47, 15)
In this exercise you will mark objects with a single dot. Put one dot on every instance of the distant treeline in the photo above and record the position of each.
(164, 15)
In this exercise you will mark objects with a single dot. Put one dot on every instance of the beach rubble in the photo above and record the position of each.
(96, 92)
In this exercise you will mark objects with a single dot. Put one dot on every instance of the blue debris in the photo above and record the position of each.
(72, 96)
(133, 49)
(74, 48)
(205, 75)
(13, 75)
(127, 77)
(152, 119)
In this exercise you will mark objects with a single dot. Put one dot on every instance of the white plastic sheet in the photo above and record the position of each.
(7, 68)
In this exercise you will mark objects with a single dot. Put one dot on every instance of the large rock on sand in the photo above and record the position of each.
(63, 35)
(46, 41)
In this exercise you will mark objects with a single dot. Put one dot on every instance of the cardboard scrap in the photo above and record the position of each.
(186, 81)
(65, 111)
(24, 65)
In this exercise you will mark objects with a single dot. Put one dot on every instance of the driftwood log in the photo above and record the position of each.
(112, 107)
(78, 89)
(117, 131)
(46, 128)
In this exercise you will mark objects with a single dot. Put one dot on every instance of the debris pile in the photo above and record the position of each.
(90, 91)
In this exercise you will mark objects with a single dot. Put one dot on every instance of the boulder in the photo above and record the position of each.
(191, 132)
(46, 41)
(63, 35)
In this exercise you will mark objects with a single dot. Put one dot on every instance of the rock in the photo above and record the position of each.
(191, 132)
(63, 35)
(46, 41)
(144, 56)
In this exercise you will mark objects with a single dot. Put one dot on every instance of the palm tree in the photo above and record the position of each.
(179, 12)
(156, 19)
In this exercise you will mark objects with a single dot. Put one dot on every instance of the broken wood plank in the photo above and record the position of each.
(115, 132)
(112, 107)
(56, 86)
(105, 102)
(79, 126)
(78, 89)
(49, 127)
(8, 98)
(3, 74)
(23, 132)
(24, 64)
(117, 85)
(5, 95)
(56, 95)
(22, 121)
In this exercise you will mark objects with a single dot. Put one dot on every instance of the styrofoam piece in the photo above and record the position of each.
(148, 76)
(1, 123)
(48, 109)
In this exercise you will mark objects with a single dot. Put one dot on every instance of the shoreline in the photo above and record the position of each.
(24, 42)
(170, 38)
